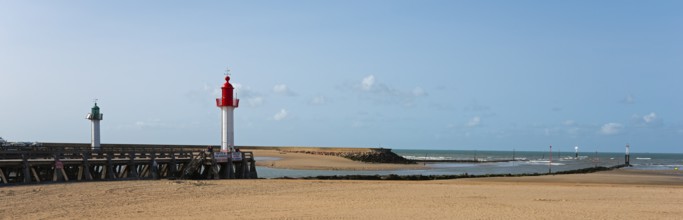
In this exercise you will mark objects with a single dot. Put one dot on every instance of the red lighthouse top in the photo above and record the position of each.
(227, 98)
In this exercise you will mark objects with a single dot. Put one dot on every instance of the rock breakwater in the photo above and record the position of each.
(367, 155)
(458, 176)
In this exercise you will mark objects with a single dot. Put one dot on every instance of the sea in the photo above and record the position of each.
(525, 162)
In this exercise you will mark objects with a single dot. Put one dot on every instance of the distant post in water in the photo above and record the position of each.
(596, 161)
(550, 162)
(95, 117)
(513, 154)
(627, 157)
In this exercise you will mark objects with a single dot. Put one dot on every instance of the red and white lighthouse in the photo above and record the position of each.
(227, 103)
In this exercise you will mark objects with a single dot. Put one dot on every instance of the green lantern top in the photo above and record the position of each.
(95, 109)
(95, 113)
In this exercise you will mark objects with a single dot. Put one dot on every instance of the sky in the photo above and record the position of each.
(452, 75)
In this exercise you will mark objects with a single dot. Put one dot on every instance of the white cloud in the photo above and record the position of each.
(283, 90)
(357, 124)
(247, 94)
(611, 128)
(215, 91)
(280, 88)
(475, 121)
(318, 100)
(255, 101)
(282, 114)
(368, 82)
(476, 107)
(241, 88)
(372, 89)
(150, 123)
(650, 117)
(628, 99)
(141, 124)
(417, 91)
(569, 122)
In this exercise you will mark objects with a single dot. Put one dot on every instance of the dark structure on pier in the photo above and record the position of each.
(66, 162)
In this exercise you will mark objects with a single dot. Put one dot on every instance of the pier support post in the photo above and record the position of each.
(245, 169)
(26, 168)
(173, 172)
(214, 170)
(57, 175)
(2, 176)
(132, 169)
(110, 167)
(224, 170)
(229, 167)
(245, 166)
(86, 165)
(238, 170)
(154, 167)
(252, 169)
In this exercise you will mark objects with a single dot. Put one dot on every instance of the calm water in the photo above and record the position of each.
(535, 162)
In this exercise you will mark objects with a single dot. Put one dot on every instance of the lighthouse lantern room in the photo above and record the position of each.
(227, 103)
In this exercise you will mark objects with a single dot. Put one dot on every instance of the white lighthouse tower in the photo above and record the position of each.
(95, 117)
(227, 103)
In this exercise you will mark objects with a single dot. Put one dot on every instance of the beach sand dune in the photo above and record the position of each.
(621, 194)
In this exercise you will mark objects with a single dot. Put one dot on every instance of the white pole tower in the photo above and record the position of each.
(95, 117)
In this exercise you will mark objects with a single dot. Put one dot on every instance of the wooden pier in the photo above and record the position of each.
(64, 162)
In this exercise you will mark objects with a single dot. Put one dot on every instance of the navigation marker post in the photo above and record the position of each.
(627, 157)
(550, 162)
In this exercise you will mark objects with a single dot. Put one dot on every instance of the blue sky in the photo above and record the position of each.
(485, 75)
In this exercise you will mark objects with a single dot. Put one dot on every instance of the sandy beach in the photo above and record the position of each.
(618, 194)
